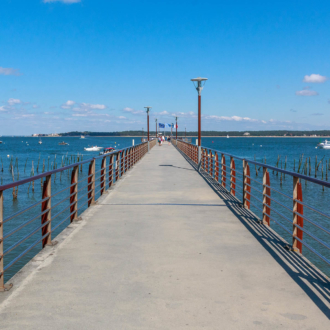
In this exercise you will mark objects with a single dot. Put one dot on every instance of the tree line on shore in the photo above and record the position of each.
(205, 133)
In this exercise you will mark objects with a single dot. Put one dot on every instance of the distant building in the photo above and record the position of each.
(246, 134)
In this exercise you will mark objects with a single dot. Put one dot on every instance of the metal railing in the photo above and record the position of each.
(79, 192)
(260, 195)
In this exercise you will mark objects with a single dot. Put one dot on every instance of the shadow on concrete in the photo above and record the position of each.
(183, 168)
(170, 204)
(314, 283)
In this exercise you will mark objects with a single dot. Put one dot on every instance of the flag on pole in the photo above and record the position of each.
(176, 126)
(161, 125)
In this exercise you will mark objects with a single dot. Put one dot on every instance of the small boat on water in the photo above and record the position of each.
(93, 148)
(324, 145)
(82, 136)
(40, 142)
(63, 143)
(227, 136)
(0, 141)
(107, 151)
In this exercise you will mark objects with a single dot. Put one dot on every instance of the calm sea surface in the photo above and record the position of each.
(21, 151)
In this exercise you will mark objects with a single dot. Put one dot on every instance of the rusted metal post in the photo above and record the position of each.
(246, 185)
(47, 217)
(223, 174)
(216, 161)
(122, 163)
(211, 164)
(102, 178)
(297, 219)
(117, 166)
(111, 170)
(232, 176)
(74, 194)
(266, 200)
(91, 183)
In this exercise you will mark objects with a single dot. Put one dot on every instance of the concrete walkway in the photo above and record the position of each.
(165, 251)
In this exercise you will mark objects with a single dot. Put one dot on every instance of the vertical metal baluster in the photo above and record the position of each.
(266, 199)
(297, 220)
(103, 175)
(74, 194)
(232, 177)
(47, 217)
(111, 170)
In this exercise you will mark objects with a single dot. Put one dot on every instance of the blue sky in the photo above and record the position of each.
(95, 64)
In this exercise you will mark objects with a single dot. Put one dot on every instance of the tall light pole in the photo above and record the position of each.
(199, 84)
(148, 109)
(176, 127)
(156, 128)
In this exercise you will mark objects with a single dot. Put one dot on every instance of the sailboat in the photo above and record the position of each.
(227, 136)
(40, 142)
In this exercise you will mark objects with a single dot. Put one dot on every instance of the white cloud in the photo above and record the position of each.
(232, 118)
(12, 102)
(93, 106)
(9, 71)
(134, 112)
(79, 115)
(64, 1)
(2, 108)
(306, 92)
(315, 78)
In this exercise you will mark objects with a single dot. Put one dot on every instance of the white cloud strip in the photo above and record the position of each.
(306, 92)
(315, 78)
(9, 71)
(64, 1)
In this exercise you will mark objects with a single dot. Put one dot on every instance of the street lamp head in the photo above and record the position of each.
(199, 79)
(199, 83)
(148, 109)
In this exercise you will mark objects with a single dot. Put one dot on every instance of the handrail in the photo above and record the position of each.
(76, 192)
(213, 163)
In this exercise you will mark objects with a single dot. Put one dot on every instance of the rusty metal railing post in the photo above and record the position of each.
(216, 165)
(122, 163)
(223, 170)
(232, 176)
(297, 219)
(111, 170)
(74, 194)
(211, 164)
(246, 185)
(103, 175)
(266, 199)
(91, 183)
(47, 216)
(117, 166)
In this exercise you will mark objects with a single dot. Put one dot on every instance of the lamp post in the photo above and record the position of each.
(199, 84)
(176, 128)
(156, 129)
(148, 109)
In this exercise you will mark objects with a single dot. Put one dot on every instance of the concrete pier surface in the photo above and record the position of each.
(167, 249)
